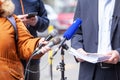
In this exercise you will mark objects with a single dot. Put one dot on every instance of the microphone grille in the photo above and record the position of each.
(54, 33)
(56, 41)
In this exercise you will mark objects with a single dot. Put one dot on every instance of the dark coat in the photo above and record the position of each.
(86, 36)
(34, 6)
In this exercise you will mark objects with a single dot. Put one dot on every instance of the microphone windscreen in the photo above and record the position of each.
(56, 41)
(72, 29)
(54, 33)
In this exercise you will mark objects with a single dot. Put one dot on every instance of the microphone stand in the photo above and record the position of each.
(51, 66)
(62, 63)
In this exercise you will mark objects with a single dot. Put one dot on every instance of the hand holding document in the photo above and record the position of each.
(90, 57)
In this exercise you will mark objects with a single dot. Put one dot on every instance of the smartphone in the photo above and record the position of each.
(32, 14)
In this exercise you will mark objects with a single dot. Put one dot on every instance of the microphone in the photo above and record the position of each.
(50, 44)
(69, 33)
(49, 37)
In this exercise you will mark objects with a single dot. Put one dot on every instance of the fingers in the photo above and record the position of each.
(22, 17)
(28, 21)
(114, 57)
(115, 61)
(45, 49)
(32, 21)
(42, 42)
(80, 60)
(81, 51)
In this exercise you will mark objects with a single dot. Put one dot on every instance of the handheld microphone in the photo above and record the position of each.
(49, 37)
(69, 33)
(50, 44)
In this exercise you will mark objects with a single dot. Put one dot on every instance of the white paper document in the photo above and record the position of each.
(90, 57)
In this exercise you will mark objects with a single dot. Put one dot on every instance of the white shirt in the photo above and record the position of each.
(105, 12)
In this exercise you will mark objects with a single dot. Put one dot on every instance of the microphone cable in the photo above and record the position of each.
(27, 66)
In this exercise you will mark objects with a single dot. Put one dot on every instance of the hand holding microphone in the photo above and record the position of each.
(49, 37)
(48, 46)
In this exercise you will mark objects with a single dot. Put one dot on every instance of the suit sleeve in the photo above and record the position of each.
(77, 39)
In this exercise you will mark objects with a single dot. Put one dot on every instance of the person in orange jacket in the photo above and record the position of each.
(11, 67)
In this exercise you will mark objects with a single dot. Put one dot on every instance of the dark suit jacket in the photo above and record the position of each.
(86, 36)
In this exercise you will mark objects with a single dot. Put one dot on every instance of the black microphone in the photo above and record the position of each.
(50, 44)
(49, 37)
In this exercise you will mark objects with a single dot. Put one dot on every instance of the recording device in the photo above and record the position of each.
(32, 14)
(69, 33)
(50, 44)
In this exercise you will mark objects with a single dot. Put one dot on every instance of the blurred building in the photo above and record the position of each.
(60, 13)
(58, 4)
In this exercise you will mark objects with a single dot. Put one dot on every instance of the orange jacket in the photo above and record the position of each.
(10, 64)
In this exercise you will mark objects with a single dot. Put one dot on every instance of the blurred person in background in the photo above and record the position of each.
(39, 23)
(99, 33)
(11, 67)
